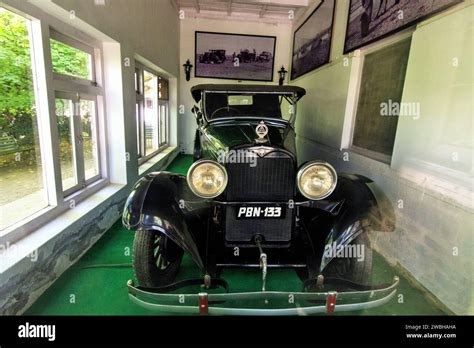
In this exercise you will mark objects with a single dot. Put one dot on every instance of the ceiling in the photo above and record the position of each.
(253, 10)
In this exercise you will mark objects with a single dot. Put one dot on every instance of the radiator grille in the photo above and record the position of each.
(272, 180)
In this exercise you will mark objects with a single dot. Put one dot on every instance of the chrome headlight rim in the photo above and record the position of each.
(302, 170)
(198, 163)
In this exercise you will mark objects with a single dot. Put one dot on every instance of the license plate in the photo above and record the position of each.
(260, 212)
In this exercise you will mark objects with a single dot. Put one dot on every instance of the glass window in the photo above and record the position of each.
(163, 123)
(67, 143)
(78, 120)
(151, 112)
(89, 138)
(70, 61)
(381, 89)
(163, 88)
(22, 183)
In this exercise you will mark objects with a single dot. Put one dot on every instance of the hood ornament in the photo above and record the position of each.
(262, 131)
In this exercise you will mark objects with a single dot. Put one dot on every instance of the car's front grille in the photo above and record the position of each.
(272, 179)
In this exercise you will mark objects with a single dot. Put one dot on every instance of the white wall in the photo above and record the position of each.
(186, 121)
(432, 193)
(149, 27)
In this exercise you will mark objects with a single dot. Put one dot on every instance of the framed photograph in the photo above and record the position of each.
(234, 56)
(372, 20)
(312, 40)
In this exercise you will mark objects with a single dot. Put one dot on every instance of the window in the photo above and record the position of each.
(41, 170)
(163, 100)
(70, 61)
(380, 95)
(76, 112)
(22, 171)
(152, 112)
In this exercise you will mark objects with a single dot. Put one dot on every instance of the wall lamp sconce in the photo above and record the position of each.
(282, 73)
(187, 69)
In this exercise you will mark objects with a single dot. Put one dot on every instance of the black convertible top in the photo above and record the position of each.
(196, 90)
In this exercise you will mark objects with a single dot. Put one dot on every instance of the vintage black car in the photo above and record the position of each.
(247, 203)
(245, 56)
(265, 56)
(213, 57)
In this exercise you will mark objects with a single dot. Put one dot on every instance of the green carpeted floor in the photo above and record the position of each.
(96, 284)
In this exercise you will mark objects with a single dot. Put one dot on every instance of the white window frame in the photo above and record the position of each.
(82, 182)
(355, 81)
(140, 100)
(47, 84)
(76, 89)
(57, 36)
(166, 104)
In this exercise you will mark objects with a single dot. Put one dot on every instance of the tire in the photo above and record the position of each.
(156, 259)
(349, 268)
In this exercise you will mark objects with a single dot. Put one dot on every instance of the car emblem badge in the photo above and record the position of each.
(262, 131)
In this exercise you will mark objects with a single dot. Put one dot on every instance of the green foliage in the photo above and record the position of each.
(17, 97)
(69, 61)
(16, 83)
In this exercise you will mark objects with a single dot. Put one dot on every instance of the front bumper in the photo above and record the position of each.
(258, 303)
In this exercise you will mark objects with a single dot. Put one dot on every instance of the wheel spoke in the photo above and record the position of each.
(160, 260)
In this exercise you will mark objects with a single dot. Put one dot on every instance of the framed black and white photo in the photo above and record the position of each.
(372, 20)
(234, 56)
(312, 40)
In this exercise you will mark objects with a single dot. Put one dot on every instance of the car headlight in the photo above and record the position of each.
(207, 179)
(316, 180)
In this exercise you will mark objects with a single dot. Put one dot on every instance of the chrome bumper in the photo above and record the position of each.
(295, 303)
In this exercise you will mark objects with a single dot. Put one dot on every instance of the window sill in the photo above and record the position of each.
(376, 156)
(146, 166)
(25, 226)
(422, 177)
(32, 242)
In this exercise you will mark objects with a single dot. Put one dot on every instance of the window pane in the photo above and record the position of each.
(163, 123)
(65, 119)
(89, 138)
(137, 117)
(71, 61)
(151, 112)
(381, 90)
(22, 186)
(163, 88)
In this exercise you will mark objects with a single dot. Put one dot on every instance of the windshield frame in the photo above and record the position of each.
(290, 97)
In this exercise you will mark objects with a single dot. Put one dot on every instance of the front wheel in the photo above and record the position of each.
(156, 259)
(357, 268)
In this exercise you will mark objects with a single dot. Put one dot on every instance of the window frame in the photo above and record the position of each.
(69, 41)
(82, 182)
(46, 84)
(76, 89)
(140, 100)
(358, 60)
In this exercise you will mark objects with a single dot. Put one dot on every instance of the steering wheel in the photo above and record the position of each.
(228, 109)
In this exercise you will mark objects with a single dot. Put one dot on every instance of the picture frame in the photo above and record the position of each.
(234, 56)
(369, 21)
(312, 40)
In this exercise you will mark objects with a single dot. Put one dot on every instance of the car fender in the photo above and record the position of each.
(154, 205)
(364, 205)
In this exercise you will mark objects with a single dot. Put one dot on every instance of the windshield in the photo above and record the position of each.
(218, 105)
